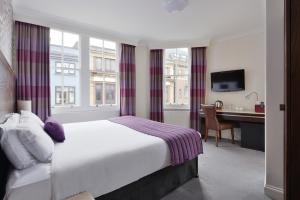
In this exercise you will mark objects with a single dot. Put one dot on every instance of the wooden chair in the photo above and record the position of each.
(212, 122)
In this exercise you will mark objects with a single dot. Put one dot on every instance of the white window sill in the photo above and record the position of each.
(78, 109)
(177, 108)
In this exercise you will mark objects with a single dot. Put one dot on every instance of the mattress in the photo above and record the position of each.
(98, 157)
(32, 183)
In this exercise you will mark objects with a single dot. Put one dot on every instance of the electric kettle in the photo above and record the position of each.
(219, 104)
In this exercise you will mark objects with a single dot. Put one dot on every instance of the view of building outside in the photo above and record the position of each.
(176, 77)
(64, 68)
(65, 72)
(103, 72)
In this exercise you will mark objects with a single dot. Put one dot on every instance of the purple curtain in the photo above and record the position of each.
(127, 80)
(32, 62)
(156, 86)
(198, 71)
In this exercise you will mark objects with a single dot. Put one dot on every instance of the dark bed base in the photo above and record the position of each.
(151, 187)
(4, 172)
(156, 185)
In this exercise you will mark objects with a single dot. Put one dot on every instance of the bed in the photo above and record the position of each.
(107, 159)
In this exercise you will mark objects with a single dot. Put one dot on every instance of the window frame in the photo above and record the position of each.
(62, 94)
(177, 106)
(61, 61)
(65, 68)
(105, 74)
(84, 76)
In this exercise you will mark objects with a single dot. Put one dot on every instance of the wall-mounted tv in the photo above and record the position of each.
(227, 81)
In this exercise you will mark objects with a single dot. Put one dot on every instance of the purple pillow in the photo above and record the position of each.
(54, 129)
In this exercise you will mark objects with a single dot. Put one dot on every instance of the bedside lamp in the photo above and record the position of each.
(250, 94)
(24, 105)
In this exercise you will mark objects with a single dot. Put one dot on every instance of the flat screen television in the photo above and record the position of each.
(227, 81)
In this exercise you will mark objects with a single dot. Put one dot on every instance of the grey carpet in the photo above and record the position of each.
(227, 172)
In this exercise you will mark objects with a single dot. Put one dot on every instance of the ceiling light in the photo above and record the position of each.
(173, 6)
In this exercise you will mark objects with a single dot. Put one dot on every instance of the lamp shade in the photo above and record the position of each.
(24, 105)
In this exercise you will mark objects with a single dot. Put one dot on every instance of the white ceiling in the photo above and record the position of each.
(146, 19)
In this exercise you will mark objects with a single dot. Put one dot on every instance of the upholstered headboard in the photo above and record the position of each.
(7, 105)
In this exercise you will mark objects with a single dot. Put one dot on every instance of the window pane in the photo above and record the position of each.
(110, 45)
(55, 37)
(103, 71)
(176, 70)
(182, 54)
(64, 68)
(96, 88)
(57, 67)
(98, 64)
(170, 61)
(71, 40)
(182, 62)
(98, 93)
(96, 42)
(110, 56)
(58, 95)
(181, 83)
(69, 95)
(170, 89)
(110, 93)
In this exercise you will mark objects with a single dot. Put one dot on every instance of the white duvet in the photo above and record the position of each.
(101, 156)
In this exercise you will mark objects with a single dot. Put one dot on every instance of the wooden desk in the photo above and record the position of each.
(252, 126)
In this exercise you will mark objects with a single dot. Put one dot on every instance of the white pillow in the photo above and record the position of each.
(4, 118)
(15, 151)
(36, 141)
(27, 116)
(11, 119)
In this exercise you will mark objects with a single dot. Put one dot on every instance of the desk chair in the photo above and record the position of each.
(212, 122)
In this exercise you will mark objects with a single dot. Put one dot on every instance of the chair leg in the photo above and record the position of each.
(217, 138)
(206, 134)
(220, 135)
(232, 135)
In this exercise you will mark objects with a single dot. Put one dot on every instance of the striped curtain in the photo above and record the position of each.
(32, 63)
(198, 71)
(127, 80)
(156, 86)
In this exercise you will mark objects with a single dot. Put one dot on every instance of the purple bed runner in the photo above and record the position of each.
(184, 143)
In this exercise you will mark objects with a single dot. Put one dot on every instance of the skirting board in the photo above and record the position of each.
(273, 192)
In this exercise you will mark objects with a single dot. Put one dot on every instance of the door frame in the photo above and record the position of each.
(292, 100)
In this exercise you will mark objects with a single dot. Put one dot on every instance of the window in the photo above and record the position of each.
(103, 72)
(67, 97)
(98, 93)
(176, 77)
(64, 68)
(68, 69)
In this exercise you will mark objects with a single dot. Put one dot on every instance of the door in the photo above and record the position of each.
(292, 116)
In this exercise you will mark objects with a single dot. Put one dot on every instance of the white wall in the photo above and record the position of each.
(6, 29)
(243, 52)
(240, 52)
(142, 81)
(177, 117)
(274, 182)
